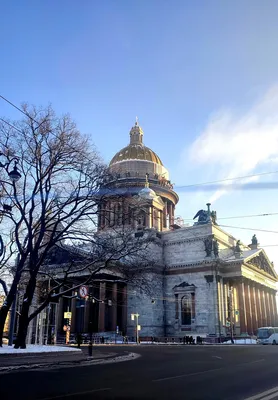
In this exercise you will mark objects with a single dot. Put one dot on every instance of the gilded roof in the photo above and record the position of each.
(136, 152)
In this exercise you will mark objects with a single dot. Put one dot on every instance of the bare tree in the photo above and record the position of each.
(55, 205)
(61, 177)
(116, 252)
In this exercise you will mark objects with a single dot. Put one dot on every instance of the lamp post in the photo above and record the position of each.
(138, 327)
(48, 317)
(218, 304)
(92, 301)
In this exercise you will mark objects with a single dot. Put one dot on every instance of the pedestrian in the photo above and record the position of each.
(90, 349)
(78, 339)
(187, 339)
(184, 340)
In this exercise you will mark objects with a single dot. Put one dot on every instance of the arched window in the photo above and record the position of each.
(186, 309)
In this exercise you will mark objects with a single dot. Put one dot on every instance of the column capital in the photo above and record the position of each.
(232, 281)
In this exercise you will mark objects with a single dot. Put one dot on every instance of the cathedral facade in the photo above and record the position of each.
(209, 282)
(206, 282)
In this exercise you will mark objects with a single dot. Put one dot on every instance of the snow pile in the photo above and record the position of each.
(32, 348)
(242, 341)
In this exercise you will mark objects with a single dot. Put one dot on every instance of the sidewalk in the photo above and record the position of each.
(15, 361)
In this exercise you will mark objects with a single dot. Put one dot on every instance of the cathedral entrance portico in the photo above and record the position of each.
(103, 310)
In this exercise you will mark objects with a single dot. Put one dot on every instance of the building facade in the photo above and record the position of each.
(206, 283)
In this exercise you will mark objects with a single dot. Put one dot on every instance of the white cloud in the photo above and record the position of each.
(233, 145)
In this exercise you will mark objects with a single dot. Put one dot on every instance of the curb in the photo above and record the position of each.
(68, 364)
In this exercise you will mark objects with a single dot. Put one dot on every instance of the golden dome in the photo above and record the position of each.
(136, 150)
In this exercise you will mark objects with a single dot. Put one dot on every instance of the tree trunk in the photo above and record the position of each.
(6, 307)
(24, 315)
(20, 342)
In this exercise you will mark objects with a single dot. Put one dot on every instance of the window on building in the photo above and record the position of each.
(186, 309)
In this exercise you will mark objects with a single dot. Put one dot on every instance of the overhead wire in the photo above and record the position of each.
(11, 125)
(177, 187)
(27, 115)
(235, 217)
(249, 229)
(183, 186)
(227, 179)
(12, 104)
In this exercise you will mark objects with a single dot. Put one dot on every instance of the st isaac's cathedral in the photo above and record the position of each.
(208, 283)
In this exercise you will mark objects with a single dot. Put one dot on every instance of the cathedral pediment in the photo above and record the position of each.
(158, 202)
(260, 260)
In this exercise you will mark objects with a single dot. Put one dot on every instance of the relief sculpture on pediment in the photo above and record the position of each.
(261, 263)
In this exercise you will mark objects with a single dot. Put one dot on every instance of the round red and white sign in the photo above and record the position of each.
(83, 291)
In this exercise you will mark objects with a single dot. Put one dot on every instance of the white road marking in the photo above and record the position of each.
(272, 396)
(204, 372)
(185, 375)
(219, 358)
(250, 362)
(62, 396)
(272, 392)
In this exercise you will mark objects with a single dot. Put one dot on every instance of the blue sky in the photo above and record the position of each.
(201, 76)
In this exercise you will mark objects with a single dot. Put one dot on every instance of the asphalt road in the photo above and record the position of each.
(162, 372)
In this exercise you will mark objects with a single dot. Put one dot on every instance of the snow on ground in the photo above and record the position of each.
(31, 348)
(242, 341)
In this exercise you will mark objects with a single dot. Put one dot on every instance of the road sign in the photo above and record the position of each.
(228, 324)
(67, 315)
(83, 291)
(236, 312)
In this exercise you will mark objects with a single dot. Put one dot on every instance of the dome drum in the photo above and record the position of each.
(132, 185)
(139, 168)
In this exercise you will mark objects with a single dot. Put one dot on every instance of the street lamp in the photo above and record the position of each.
(14, 173)
(14, 176)
(138, 327)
